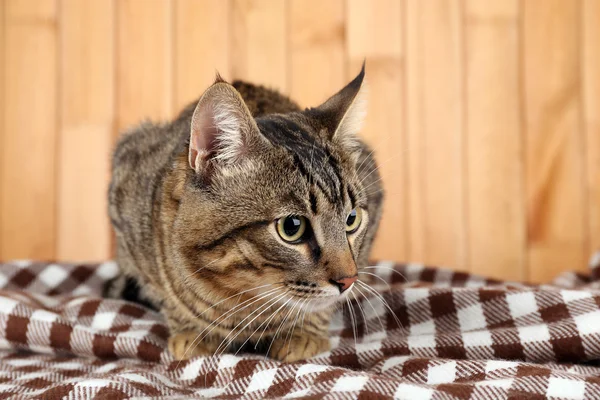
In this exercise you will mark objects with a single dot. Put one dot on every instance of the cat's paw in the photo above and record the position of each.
(300, 347)
(185, 345)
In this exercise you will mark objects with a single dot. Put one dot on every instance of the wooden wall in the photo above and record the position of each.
(485, 115)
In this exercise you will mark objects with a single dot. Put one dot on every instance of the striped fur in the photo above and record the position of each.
(201, 243)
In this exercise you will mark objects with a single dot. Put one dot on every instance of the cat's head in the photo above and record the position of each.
(275, 202)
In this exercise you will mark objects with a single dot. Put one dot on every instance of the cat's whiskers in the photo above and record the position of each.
(369, 158)
(283, 321)
(358, 169)
(227, 315)
(388, 268)
(372, 307)
(270, 318)
(299, 304)
(383, 301)
(352, 321)
(262, 309)
(249, 336)
(362, 311)
(383, 192)
(376, 276)
(266, 305)
(378, 168)
(366, 188)
(266, 325)
(238, 294)
(237, 308)
(312, 306)
(267, 321)
(290, 334)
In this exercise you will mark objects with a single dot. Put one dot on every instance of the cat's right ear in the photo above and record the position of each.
(222, 128)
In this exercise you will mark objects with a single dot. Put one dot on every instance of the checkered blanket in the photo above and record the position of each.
(442, 335)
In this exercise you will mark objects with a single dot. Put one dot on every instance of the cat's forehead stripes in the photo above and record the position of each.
(311, 155)
(352, 196)
(313, 201)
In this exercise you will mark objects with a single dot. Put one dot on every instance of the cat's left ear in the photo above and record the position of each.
(222, 130)
(343, 114)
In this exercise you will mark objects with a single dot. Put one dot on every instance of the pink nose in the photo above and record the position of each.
(344, 283)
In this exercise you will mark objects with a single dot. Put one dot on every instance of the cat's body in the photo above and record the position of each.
(192, 216)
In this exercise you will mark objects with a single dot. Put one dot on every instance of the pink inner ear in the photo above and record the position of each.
(204, 134)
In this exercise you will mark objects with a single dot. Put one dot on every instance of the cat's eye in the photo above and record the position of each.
(353, 221)
(291, 228)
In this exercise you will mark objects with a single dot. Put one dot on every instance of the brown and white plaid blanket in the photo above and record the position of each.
(462, 337)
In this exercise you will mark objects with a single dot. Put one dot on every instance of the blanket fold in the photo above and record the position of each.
(414, 332)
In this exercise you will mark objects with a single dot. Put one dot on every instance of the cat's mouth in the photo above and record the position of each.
(313, 298)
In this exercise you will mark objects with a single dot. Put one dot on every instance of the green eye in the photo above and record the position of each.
(291, 228)
(353, 221)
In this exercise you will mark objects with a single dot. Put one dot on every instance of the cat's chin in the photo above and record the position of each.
(321, 303)
(315, 304)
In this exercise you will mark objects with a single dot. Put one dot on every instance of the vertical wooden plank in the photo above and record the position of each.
(495, 204)
(375, 31)
(591, 93)
(259, 42)
(317, 58)
(557, 228)
(2, 109)
(202, 40)
(493, 10)
(30, 126)
(87, 123)
(434, 104)
(144, 61)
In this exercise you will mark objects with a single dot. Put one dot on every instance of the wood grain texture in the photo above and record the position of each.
(201, 47)
(317, 57)
(557, 225)
(2, 109)
(144, 61)
(494, 155)
(493, 10)
(435, 145)
(591, 92)
(259, 42)
(375, 33)
(28, 184)
(484, 115)
(87, 123)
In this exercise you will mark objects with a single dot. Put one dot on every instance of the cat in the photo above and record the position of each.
(246, 219)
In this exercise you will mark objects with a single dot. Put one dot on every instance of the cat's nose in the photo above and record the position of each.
(344, 283)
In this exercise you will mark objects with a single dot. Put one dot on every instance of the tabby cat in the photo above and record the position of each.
(246, 219)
